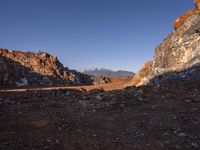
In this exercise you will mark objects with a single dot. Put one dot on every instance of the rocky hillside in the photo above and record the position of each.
(27, 69)
(179, 51)
(107, 73)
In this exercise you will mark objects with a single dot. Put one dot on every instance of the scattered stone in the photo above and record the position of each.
(48, 140)
(195, 145)
(116, 140)
(196, 121)
(188, 101)
(197, 100)
(182, 134)
(98, 97)
(57, 141)
(67, 93)
(140, 98)
(94, 135)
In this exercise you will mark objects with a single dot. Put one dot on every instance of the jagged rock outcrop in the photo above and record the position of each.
(179, 51)
(85, 79)
(141, 75)
(33, 69)
(27, 69)
(197, 4)
(181, 20)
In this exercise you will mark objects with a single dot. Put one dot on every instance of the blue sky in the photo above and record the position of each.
(113, 34)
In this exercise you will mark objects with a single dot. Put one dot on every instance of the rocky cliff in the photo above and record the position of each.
(27, 69)
(181, 20)
(179, 51)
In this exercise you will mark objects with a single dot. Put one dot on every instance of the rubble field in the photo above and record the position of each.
(148, 117)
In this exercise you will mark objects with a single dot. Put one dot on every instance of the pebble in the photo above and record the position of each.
(188, 101)
(140, 98)
(98, 97)
(57, 141)
(67, 93)
(196, 121)
(48, 140)
(195, 145)
(196, 100)
(182, 134)
(116, 140)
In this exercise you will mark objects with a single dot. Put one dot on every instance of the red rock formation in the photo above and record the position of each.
(181, 19)
(142, 74)
(39, 69)
(197, 4)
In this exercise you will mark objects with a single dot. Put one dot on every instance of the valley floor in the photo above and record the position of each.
(142, 118)
(116, 84)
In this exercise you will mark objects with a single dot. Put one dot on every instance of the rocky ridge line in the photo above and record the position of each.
(39, 69)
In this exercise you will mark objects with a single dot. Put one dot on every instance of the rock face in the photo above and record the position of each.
(22, 69)
(85, 79)
(181, 20)
(197, 4)
(27, 69)
(140, 78)
(179, 51)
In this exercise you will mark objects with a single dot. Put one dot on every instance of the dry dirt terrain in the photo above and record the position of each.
(116, 84)
(144, 118)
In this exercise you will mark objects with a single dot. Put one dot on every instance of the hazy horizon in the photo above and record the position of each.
(111, 34)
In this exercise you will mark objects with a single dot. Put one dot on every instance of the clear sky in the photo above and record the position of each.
(113, 34)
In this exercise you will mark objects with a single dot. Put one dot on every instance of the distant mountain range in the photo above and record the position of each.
(106, 72)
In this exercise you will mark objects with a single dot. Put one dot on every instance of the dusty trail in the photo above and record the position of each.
(116, 85)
